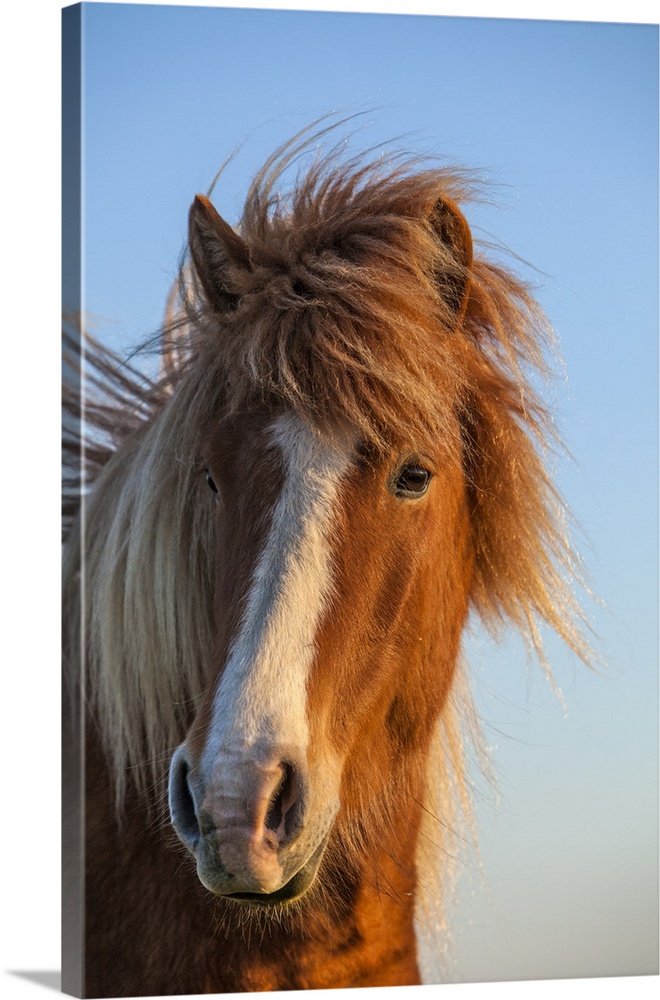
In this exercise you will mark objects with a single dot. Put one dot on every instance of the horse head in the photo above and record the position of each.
(343, 548)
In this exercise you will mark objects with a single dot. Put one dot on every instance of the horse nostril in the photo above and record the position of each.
(182, 805)
(284, 812)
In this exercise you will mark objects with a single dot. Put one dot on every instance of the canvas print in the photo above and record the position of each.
(324, 576)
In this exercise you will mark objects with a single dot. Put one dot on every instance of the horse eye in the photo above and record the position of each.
(209, 480)
(411, 482)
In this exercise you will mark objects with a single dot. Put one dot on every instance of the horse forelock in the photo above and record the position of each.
(338, 317)
(339, 306)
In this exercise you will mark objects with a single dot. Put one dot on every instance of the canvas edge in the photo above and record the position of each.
(72, 295)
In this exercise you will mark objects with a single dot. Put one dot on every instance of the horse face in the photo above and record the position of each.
(341, 589)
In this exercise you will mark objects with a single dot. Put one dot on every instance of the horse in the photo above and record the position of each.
(274, 547)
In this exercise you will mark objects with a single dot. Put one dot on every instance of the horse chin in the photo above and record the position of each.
(294, 889)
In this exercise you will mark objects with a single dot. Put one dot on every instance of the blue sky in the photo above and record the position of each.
(560, 119)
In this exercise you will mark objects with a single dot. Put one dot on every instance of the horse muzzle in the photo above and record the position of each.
(246, 825)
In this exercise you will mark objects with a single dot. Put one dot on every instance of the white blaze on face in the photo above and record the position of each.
(261, 698)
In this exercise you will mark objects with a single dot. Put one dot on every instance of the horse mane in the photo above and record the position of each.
(335, 313)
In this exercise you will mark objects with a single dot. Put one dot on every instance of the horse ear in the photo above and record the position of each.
(217, 252)
(453, 232)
